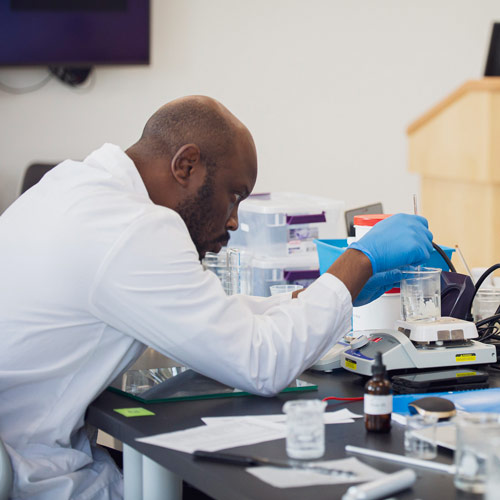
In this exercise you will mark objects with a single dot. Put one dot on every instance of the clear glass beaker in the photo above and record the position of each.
(476, 434)
(233, 268)
(420, 436)
(421, 294)
(305, 428)
(485, 303)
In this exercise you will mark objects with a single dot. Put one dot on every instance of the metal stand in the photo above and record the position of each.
(144, 479)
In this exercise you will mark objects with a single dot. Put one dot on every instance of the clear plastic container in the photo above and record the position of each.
(282, 224)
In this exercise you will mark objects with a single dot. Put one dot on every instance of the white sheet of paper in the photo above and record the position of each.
(343, 416)
(228, 432)
(291, 478)
(218, 436)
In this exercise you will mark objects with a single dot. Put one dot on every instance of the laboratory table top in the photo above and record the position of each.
(229, 482)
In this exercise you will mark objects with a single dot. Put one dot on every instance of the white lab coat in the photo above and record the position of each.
(91, 273)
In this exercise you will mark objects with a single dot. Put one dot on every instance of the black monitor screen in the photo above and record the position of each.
(493, 61)
(74, 32)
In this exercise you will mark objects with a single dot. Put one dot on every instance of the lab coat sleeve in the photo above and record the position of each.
(152, 287)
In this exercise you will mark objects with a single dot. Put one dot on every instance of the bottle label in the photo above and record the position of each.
(378, 405)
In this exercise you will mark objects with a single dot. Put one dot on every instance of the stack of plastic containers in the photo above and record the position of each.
(279, 230)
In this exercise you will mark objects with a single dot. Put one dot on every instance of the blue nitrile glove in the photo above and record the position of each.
(399, 240)
(376, 286)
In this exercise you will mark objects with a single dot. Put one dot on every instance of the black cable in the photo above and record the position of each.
(440, 251)
(485, 321)
(487, 329)
(486, 273)
(26, 90)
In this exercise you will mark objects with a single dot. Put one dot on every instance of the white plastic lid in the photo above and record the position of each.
(289, 203)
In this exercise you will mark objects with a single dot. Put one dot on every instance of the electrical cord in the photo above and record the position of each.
(440, 251)
(486, 321)
(486, 273)
(28, 89)
(487, 328)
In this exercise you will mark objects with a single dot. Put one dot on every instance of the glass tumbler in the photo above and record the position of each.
(421, 294)
(232, 266)
(305, 428)
(475, 434)
(420, 436)
(486, 302)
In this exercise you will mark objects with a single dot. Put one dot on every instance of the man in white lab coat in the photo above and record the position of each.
(102, 258)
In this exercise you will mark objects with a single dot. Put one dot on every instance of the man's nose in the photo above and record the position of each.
(232, 222)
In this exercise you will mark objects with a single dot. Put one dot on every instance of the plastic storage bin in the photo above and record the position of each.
(330, 250)
(283, 224)
(295, 269)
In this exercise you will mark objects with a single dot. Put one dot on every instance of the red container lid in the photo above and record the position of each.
(369, 219)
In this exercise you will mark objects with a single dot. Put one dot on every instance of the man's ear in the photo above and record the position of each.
(185, 162)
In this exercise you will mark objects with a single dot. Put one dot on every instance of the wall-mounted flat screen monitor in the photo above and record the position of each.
(74, 32)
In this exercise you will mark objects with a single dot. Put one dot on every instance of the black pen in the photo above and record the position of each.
(248, 461)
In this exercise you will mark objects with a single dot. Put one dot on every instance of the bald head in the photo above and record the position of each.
(198, 159)
(195, 119)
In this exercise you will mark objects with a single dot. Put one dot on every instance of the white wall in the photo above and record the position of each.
(327, 88)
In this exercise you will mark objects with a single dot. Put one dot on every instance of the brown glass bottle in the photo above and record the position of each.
(378, 399)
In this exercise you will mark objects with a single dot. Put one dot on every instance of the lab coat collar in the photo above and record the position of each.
(114, 160)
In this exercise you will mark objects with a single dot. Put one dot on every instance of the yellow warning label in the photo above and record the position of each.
(465, 374)
(351, 364)
(469, 356)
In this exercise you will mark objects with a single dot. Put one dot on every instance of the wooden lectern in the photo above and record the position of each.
(455, 147)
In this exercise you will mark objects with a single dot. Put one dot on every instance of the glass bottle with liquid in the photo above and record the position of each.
(378, 399)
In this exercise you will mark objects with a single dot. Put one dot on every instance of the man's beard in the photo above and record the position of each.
(198, 215)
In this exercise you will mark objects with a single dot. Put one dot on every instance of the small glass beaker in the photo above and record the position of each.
(136, 381)
(475, 434)
(216, 262)
(277, 289)
(421, 294)
(485, 303)
(420, 436)
(305, 428)
(232, 266)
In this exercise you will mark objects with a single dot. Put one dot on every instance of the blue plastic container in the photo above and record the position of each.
(330, 250)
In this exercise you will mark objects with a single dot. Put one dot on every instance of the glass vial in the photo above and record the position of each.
(378, 399)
